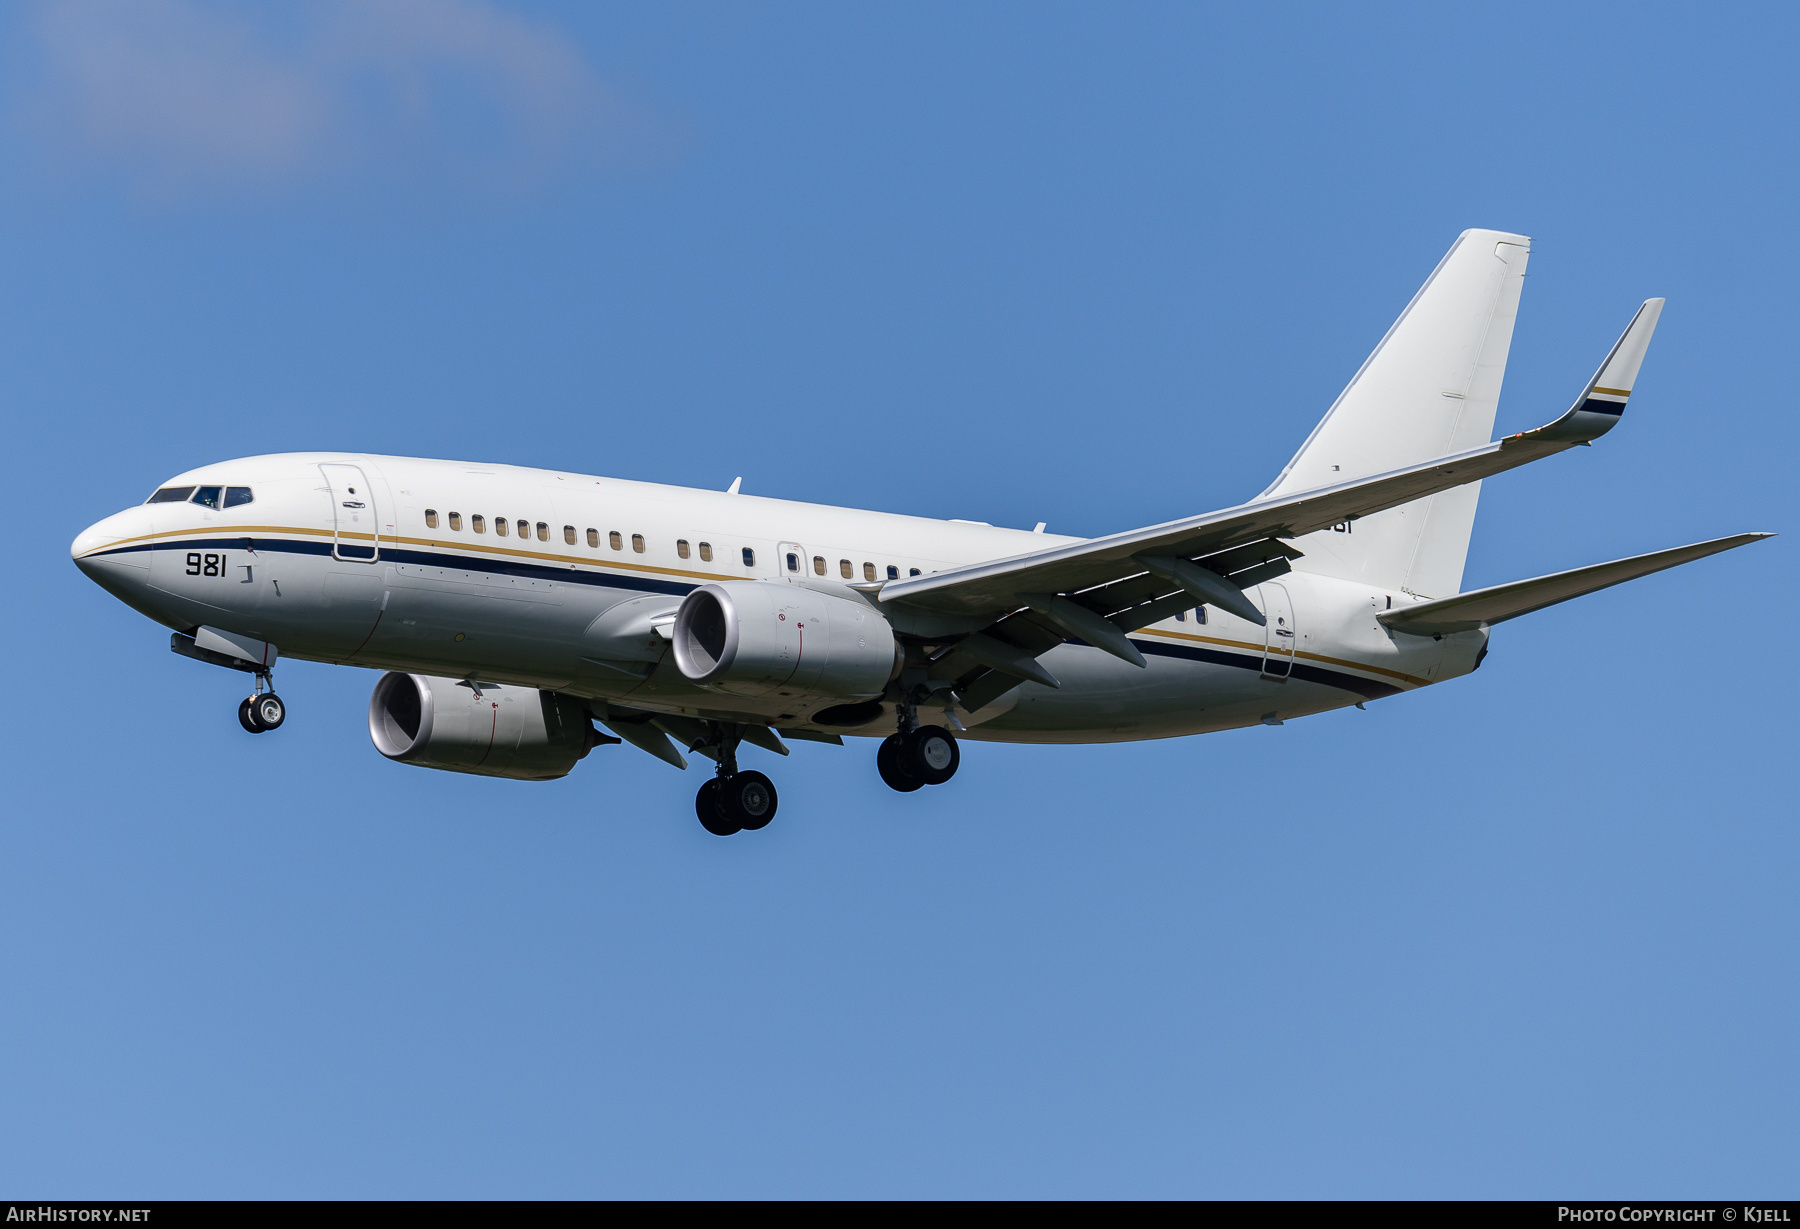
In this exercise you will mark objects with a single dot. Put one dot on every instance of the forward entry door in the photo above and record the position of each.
(353, 507)
(1280, 633)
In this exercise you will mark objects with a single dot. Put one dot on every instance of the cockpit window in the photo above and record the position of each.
(235, 495)
(208, 496)
(170, 495)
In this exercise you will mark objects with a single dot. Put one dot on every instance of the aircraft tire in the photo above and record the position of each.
(932, 754)
(712, 817)
(247, 715)
(269, 711)
(748, 799)
(891, 765)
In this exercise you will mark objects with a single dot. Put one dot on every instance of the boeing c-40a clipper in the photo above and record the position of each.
(514, 608)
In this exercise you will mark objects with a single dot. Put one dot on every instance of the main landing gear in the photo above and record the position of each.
(734, 801)
(917, 756)
(264, 710)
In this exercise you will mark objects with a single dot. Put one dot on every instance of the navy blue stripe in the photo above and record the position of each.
(1367, 688)
(535, 571)
(497, 567)
(1593, 405)
(538, 571)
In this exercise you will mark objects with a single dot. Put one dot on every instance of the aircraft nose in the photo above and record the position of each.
(89, 540)
(90, 553)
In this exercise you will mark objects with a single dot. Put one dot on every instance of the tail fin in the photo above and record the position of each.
(1430, 389)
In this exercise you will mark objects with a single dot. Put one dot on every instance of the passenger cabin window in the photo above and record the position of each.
(171, 495)
(637, 543)
(868, 571)
(749, 557)
(1199, 614)
(706, 552)
(431, 518)
(477, 524)
(681, 547)
(793, 562)
(569, 535)
(1181, 616)
(845, 568)
(912, 571)
(237, 496)
(615, 541)
(594, 538)
(456, 521)
(525, 530)
(893, 572)
(544, 532)
(818, 565)
(500, 523)
(209, 496)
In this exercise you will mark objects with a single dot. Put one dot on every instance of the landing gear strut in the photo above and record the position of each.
(262, 711)
(733, 801)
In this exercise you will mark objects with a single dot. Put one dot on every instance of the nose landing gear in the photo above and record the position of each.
(263, 711)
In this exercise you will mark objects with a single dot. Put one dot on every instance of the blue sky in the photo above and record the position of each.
(1532, 933)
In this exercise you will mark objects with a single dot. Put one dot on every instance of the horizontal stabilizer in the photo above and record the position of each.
(1469, 611)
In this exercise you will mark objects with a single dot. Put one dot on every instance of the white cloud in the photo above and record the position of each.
(180, 98)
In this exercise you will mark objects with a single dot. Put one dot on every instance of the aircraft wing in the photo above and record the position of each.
(1241, 544)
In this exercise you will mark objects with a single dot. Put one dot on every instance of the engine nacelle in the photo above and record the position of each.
(516, 732)
(767, 638)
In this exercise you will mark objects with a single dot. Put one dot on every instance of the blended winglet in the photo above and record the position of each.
(1602, 402)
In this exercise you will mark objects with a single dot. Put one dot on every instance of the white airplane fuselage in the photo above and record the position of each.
(574, 596)
(514, 608)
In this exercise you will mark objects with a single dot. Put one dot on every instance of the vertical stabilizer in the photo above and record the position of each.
(1430, 389)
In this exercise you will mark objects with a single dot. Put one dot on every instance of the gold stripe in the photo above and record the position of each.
(234, 530)
(242, 531)
(1611, 392)
(1414, 679)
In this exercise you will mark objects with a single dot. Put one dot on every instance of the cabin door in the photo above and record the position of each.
(1279, 634)
(354, 514)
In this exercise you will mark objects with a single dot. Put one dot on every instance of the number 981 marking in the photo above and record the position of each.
(205, 565)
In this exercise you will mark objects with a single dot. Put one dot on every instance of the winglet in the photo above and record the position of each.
(1602, 402)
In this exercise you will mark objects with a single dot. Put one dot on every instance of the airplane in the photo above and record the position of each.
(511, 608)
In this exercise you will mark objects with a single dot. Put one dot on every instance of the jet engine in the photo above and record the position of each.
(516, 732)
(761, 638)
